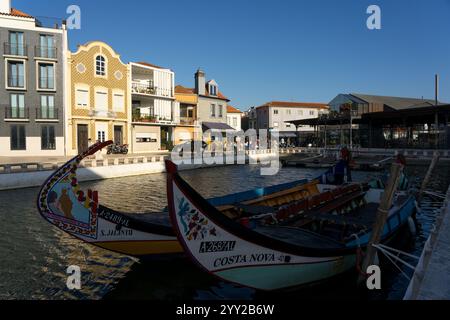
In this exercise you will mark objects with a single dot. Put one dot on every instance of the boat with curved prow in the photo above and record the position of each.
(63, 203)
(298, 243)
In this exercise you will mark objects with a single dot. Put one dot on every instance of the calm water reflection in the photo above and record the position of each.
(34, 255)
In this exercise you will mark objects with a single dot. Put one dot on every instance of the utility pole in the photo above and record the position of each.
(436, 116)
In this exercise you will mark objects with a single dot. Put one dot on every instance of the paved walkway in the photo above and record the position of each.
(431, 281)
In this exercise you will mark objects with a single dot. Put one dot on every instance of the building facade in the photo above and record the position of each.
(212, 104)
(188, 127)
(98, 99)
(31, 90)
(155, 113)
(276, 115)
(234, 118)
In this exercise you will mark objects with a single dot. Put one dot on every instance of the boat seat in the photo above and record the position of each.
(328, 207)
(361, 218)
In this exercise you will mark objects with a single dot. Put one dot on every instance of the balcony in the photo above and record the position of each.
(19, 114)
(141, 88)
(15, 49)
(17, 82)
(150, 117)
(47, 113)
(150, 89)
(45, 52)
(187, 121)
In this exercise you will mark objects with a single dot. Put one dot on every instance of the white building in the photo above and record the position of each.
(275, 114)
(154, 111)
(234, 118)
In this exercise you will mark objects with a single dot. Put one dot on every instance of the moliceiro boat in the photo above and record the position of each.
(63, 203)
(288, 244)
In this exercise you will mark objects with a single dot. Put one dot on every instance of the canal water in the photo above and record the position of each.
(34, 255)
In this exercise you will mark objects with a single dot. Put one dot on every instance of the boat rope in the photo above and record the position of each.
(387, 251)
(397, 251)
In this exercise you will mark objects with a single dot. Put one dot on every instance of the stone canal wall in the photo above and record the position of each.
(34, 175)
(432, 276)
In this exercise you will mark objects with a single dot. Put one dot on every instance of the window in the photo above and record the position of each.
(220, 111)
(101, 136)
(17, 110)
(82, 97)
(16, 74)
(235, 122)
(213, 110)
(48, 141)
(100, 66)
(118, 101)
(311, 113)
(288, 112)
(46, 76)
(190, 113)
(275, 111)
(213, 90)
(101, 100)
(47, 108)
(46, 47)
(146, 137)
(300, 112)
(18, 140)
(16, 44)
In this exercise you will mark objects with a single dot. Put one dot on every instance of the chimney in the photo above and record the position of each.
(5, 6)
(200, 82)
(436, 90)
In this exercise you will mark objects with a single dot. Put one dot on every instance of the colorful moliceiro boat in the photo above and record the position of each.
(291, 245)
(63, 203)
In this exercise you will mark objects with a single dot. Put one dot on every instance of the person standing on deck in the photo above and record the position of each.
(342, 167)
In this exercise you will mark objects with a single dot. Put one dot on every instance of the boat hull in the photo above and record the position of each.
(236, 254)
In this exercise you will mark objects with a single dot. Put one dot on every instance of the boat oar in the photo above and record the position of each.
(382, 215)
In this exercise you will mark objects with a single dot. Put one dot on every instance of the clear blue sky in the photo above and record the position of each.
(304, 50)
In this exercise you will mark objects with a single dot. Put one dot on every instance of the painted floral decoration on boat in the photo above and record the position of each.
(195, 225)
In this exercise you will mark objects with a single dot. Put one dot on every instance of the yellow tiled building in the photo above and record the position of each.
(98, 97)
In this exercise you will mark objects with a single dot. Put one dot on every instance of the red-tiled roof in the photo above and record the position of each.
(219, 95)
(231, 109)
(181, 90)
(17, 13)
(296, 104)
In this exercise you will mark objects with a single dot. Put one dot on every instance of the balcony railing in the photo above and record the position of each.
(47, 113)
(15, 49)
(17, 113)
(143, 88)
(45, 52)
(150, 89)
(187, 121)
(16, 82)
